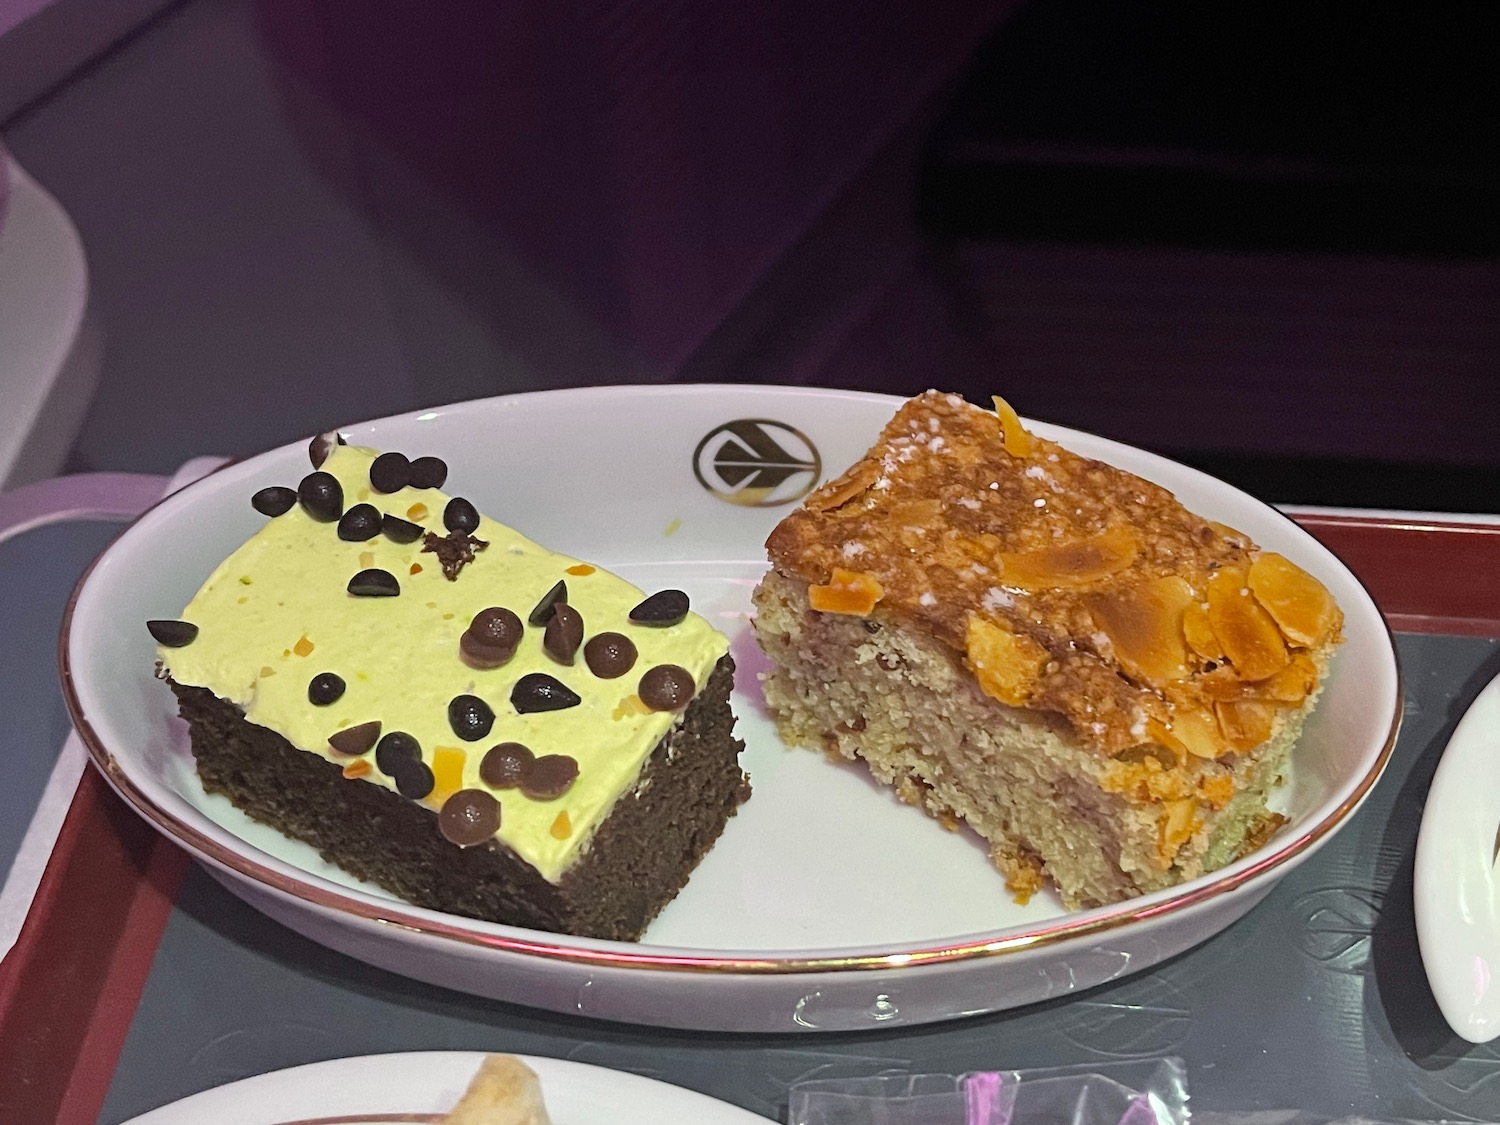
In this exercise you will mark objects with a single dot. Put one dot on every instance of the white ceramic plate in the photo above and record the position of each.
(422, 1086)
(827, 904)
(1455, 884)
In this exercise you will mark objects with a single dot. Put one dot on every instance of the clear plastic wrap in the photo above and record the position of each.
(1153, 1092)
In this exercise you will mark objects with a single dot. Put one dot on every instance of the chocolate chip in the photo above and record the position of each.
(491, 638)
(460, 515)
(414, 780)
(429, 472)
(663, 608)
(667, 687)
(609, 655)
(564, 634)
(374, 583)
(537, 691)
(454, 550)
(274, 501)
(504, 765)
(360, 523)
(395, 750)
(398, 530)
(321, 446)
(325, 688)
(470, 717)
(469, 817)
(354, 741)
(390, 472)
(497, 626)
(173, 634)
(543, 611)
(322, 496)
(549, 777)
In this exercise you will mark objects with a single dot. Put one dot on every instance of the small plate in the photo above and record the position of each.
(827, 904)
(1455, 884)
(422, 1086)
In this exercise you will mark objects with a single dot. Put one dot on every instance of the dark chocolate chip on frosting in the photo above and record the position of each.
(663, 608)
(491, 638)
(429, 472)
(322, 445)
(398, 530)
(542, 612)
(390, 472)
(274, 501)
(360, 523)
(460, 515)
(469, 817)
(609, 655)
(667, 687)
(505, 764)
(549, 777)
(173, 634)
(356, 740)
(470, 717)
(321, 496)
(325, 688)
(394, 749)
(414, 780)
(564, 634)
(374, 583)
(454, 550)
(537, 691)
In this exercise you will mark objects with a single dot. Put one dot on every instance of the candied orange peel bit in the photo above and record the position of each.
(1300, 605)
(849, 591)
(1083, 562)
(1017, 438)
(1144, 627)
(1007, 665)
(447, 773)
(1251, 640)
(562, 826)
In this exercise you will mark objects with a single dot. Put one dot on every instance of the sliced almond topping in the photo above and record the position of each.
(916, 513)
(1251, 640)
(1017, 437)
(1007, 665)
(837, 493)
(1293, 683)
(1082, 562)
(1217, 790)
(1299, 603)
(1177, 824)
(1144, 627)
(1245, 723)
(848, 591)
(1198, 730)
(1199, 633)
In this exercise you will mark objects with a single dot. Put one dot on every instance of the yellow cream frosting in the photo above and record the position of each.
(277, 612)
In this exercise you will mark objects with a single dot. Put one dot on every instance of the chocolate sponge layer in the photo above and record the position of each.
(637, 861)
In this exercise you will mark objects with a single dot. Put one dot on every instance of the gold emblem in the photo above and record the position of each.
(757, 463)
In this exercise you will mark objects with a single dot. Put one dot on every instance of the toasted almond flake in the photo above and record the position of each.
(562, 827)
(366, 559)
(266, 670)
(629, 706)
(417, 512)
(1017, 439)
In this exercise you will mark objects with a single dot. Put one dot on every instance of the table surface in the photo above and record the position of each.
(1316, 1000)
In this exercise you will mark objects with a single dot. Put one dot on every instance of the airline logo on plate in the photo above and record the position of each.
(757, 463)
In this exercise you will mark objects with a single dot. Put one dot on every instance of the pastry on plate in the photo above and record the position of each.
(1055, 652)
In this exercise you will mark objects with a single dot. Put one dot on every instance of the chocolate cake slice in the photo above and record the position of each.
(446, 709)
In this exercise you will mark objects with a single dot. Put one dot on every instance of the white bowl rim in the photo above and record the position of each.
(277, 876)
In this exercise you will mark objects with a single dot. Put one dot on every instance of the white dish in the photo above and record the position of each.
(422, 1086)
(1455, 885)
(827, 905)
